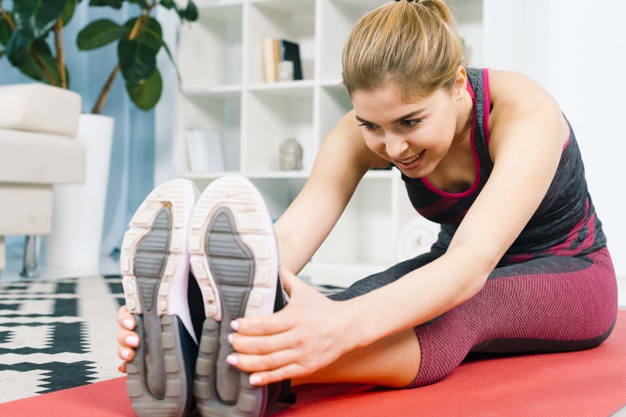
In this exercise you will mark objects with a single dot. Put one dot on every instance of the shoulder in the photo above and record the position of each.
(516, 97)
(520, 105)
(508, 88)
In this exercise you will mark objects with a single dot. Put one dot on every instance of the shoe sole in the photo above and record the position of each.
(234, 259)
(154, 263)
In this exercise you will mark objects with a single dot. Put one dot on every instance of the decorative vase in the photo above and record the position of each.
(290, 155)
(73, 247)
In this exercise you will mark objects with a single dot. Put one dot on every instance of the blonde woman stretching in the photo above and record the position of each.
(520, 264)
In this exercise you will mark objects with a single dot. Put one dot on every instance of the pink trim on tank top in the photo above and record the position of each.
(474, 186)
(486, 105)
(569, 137)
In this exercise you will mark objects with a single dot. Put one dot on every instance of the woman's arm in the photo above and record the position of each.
(527, 136)
(526, 143)
(342, 161)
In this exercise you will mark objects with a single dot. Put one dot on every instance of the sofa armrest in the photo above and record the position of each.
(39, 108)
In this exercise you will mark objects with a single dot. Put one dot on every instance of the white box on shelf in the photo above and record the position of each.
(205, 150)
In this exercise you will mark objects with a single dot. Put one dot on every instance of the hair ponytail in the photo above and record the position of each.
(411, 44)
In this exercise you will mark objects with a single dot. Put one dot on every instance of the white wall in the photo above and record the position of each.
(577, 50)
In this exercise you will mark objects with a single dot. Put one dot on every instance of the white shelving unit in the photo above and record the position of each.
(220, 60)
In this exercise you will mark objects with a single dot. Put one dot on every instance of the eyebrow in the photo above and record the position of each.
(399, 119)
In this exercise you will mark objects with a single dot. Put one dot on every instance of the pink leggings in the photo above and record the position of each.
(551, 304)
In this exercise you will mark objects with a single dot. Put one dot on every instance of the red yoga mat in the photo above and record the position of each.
(587, 383)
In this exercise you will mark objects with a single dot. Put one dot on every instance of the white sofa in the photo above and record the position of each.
(37, 126)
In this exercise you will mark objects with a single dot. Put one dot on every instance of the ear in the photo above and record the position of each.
(460, 82)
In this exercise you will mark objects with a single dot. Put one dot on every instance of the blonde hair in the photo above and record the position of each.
(413, 45)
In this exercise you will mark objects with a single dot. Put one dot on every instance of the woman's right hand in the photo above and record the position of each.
(128, 340)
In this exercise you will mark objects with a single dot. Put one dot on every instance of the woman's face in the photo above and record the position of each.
(416, 135)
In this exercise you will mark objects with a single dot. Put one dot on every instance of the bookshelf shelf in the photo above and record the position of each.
(302, 88)
(223, 88)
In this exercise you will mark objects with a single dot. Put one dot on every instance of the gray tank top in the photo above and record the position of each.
(565, 223)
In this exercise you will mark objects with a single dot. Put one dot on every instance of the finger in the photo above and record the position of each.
(261, 363)
(260, 345)
(287, 279)
(290, 371)
(125, 354)
(293, 284)
(265, 325)
(127, 339)
(122, 368)
(125, 319)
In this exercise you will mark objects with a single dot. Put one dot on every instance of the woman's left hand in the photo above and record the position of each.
(308, 334)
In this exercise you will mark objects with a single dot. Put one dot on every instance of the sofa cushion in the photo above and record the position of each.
(26, 209)
(37, 158)
(39, 108)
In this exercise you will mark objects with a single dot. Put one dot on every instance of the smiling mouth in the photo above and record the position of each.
(410, 161)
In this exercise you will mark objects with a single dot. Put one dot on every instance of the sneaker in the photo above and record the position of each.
(155, 266)
(234, 259)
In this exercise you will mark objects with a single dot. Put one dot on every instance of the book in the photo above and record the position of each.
(278, 50)
(270, 59)
(290, 51)
(205, 150)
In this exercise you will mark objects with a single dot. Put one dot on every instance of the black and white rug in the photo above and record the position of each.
(57, 334)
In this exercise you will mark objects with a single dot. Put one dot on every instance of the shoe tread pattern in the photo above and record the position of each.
(234, 259)
(160, 376)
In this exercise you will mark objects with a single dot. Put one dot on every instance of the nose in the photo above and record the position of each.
(395, 145)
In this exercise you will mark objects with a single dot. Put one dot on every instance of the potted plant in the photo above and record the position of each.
(26, 33)
(25, 30)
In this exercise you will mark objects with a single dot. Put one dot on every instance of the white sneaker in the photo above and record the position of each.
(155, 267)
(234, 259)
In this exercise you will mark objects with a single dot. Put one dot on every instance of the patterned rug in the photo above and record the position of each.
(60, 334)
(57, 334)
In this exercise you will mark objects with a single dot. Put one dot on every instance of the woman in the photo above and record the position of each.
(520, 264)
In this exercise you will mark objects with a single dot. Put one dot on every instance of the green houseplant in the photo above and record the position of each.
(31, 37)
(27, 29)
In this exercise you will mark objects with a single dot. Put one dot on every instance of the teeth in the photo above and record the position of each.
(408, 161)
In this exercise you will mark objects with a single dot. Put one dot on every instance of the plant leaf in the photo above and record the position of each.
(142, 3)
(190, 13)
(152, 40)
(167, 49)
(168, 4)
(40, 49)
(99, 33)
(116, 4)
(68, 11)
(5, 31)
(35, 18)
(17, 48)
(137, 61)
(147, 93)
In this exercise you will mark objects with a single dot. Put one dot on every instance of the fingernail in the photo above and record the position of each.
(231, 338)
(132, 340)
(255, 379)
(232, 359)
(129, 324)
(125, 354)
(234, 325)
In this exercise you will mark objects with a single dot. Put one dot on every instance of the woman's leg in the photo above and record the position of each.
(551, 304)
(544, 305)
(390, 362)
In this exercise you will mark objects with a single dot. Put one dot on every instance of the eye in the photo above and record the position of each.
(410, 123)
(368, 126)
